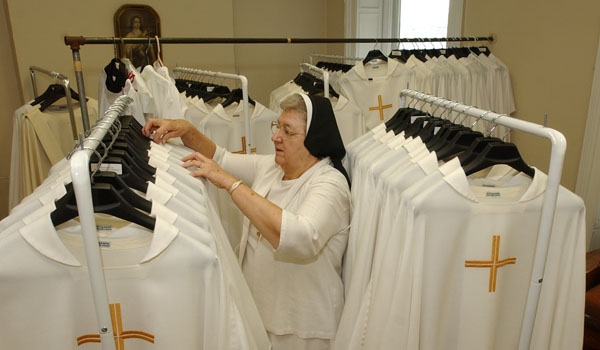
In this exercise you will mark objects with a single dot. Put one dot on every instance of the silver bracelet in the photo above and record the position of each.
(235, 185)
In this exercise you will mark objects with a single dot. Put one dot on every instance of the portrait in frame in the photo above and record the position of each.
(138, 21)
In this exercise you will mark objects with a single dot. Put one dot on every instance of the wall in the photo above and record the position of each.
(270, 65)
(38, 35)
(550, 48)
(10, 99)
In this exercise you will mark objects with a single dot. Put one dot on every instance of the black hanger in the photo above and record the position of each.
(480, 50)
(416, 125)
(111, 178)
(53, 93)
(130, 133)
(445, 133)
(498, 153)
(402, 119)
(457, 144)
(106, 199)
(66, 207)
(334, 66)
(214, 91)
(475, 148)
(430, 128)
(313, 85)
(373, 55)
(236, 95)
(134, 178)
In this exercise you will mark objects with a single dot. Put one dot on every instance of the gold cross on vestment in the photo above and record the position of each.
(119, 334)
(493, 264)
(380, 107)
(243, 151)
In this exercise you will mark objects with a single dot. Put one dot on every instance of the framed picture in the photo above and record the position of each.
(138, 21)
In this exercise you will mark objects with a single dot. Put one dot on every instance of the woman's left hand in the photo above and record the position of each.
(209, 169)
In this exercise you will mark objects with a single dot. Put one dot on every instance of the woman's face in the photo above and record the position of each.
(137, 23)
(289, 139)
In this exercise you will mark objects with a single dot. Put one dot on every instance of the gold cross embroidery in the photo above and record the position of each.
(380, 107)
(119, 334)
(243, 151)
(493, 264)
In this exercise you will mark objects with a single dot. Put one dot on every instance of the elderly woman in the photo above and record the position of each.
(297, 214)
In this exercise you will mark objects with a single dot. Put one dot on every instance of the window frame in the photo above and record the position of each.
(381, 19)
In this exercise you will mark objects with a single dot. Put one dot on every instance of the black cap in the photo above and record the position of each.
(323, 137)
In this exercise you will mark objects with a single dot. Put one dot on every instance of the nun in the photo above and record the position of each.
(297, 214)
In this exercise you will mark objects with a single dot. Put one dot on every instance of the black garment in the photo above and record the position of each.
(116, 75)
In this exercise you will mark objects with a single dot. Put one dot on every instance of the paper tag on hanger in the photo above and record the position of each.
(115, 168)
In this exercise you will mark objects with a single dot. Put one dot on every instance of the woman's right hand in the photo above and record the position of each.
(161, 130)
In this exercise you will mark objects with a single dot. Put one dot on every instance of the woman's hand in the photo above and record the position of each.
(161, 130)
(209, 169)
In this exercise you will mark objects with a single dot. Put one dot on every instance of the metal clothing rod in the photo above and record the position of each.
(64, 81)
(76, 41)
(557, 154)
(319, 73)
(244, 82)
(80, 176)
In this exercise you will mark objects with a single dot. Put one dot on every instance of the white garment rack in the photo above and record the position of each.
(80, 176)
(559, 145)
(244, 81)
(319, 73)
(62, 80)
(336, 57)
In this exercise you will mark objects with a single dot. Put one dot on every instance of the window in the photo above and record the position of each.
(400, 19)
(424, 18)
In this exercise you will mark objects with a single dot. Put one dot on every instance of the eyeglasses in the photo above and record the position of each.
(285, 134)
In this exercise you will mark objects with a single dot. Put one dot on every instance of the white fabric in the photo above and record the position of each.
(53, 260)
(106, 98)
(40, 140)
(302, 277)
(194, 295)
(281, 92)
(348, 118)
(166, 96)
(375, 89)
(226, 127)
(187, 196)
(309, 110)
(421, 295)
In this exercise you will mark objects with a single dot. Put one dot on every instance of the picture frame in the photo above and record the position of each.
(138, 21)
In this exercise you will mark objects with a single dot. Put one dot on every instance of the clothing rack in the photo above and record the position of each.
(62, 80)
(244, 82)
(75, 43)
(319, 73)
(80, 174)
(557, 153)
(337, 57)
